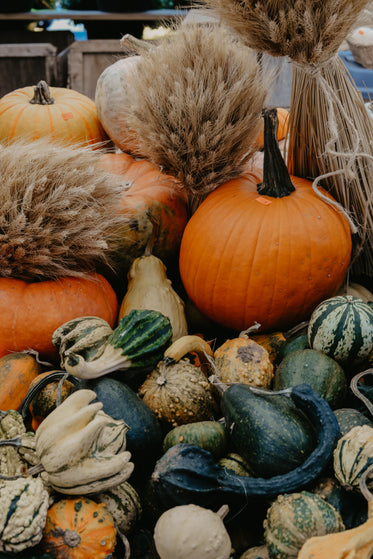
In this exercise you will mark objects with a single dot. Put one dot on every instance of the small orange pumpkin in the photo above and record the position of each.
(61, 114)
(17, 371)
(151, 196)
(79, 529)
(31, 312)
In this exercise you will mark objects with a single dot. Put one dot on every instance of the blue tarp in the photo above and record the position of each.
(363, 77)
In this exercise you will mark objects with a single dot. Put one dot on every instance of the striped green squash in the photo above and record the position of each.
(123, 502)
(294, 518)
(353, 455)
(138, 342)
(342, 327)
(210, 435)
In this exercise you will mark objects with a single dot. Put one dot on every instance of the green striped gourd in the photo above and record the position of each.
(294, 518)
(138, 342)
(123, 502)
(210, 435)
(342, 327)
(353, 455)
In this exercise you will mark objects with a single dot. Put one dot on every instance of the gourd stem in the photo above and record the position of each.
(126, 544)
(276, 179)
(296, 329)
(133, 44)
(364, 489)
(223, 511)
(15, 442)
(356, 391)
(153, 237)
(42, 94)
(254, 328)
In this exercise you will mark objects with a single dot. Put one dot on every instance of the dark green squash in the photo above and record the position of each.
(210, 435)
(271, 433)
(350, 417)
(144, 437)
(315, 368)
(187, 473)
(293, 344)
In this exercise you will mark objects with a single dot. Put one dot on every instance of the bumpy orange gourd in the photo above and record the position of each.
(79, 529)
(31, 312)
(266, 254)
(17, 371)
(151, 196)
(61, 114)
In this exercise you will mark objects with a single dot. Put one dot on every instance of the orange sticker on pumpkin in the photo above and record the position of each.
(263, 201)
(67, 116)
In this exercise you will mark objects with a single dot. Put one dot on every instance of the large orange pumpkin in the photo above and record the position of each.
(151, 197)
(267, 254)
(30, 312)
(17, 371)
(79, 529)
(61, 114)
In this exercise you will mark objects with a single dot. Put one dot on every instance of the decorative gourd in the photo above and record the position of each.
(187, 473)
(292, 519)
(263, 235)
(355, 543)
(267, 429)
(353, 455)
(244, 360)
(356, 290)
(17, 371)
(11, 425)
(234, 462)
(272, 342)
(149, 288)
(24, 504)
(144, 436)
(348, 418)
(61, 114)
(283, 119)
(342, 327)
(210, 435)
(111, 99)
(123, 503)
(192, 531)
(257, 552)
(82, 450)
(31, 312)
(315, 368)
(300, 341)
(190, 345)
(46, 399)
(149, 196)
(78, 528)
(179, 393)
(138, 342)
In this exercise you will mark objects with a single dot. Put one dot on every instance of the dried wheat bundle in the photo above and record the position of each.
(195, 104)
(330, 133)
(57, 211)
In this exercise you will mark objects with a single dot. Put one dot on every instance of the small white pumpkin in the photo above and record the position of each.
(191, 531)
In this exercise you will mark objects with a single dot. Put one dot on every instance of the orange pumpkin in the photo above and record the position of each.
(17, 371)
(151, 196)
(30, 312)
(62, 114)
(283, 120)
(258, 250)
(79, 529)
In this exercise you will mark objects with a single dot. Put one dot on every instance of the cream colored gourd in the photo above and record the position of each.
(150, 288)
(192, 532)
(81, 448)
(352, 455)
(357, 290)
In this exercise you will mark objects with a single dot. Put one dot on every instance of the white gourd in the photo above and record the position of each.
(356, 290)
(191, 531)
(150, 288)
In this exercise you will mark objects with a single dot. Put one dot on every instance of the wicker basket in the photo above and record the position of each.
(360, 42)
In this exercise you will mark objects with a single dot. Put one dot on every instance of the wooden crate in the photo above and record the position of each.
(26, 64)
(86, 60)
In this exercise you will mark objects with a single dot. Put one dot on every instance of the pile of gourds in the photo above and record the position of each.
(207, 393)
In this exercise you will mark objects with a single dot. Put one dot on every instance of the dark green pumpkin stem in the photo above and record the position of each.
(276, 178)
(42, 94)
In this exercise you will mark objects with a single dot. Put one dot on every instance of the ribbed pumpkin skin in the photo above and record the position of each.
(17, 371)
(246, 258)
(342, 327)
(151, 195)
(71, 119)
(294, 518)
(30, 312)
(92, 525)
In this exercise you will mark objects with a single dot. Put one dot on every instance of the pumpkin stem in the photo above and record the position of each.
(355, 390)
(276, 178)
(42, 94)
